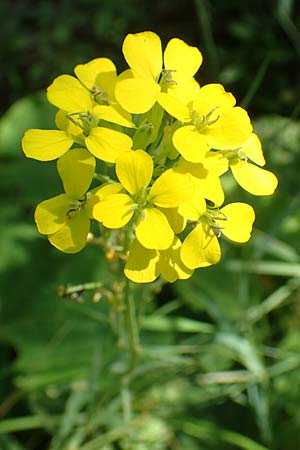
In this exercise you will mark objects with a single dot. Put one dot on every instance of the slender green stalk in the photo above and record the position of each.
(133, 348)
(257, 80)
(133, 333)
(126, 400)
(68, 290)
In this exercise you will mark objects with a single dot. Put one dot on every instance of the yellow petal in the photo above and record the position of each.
(51, 215)
(213, 96)
(100, 73)
(141, 264)
(67, 93)
(63, 123)
(76, 169)
(233, 128)
(177, 221)
(194, 208)
(114, 114)
(170, 189)
(114, 211)
(134, 170)
(108, 189)
(253, 179)
(72, 237)
(143, 54)
(170, 265)
(216, 163)
(240, 218)
(190, 143)
(185, 91)
(182, 58)
(174, 107)
(153, 230)
(200, 248)
(253, 150)
(97, 194)
(107, 144)
(45, 145)
(136, 95)
(207, 183)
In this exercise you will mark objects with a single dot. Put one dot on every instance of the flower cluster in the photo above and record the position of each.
(159, 143)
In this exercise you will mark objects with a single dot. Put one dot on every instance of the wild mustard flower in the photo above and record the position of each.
(158, 201)
(211, 121)
(201, 247)
(145, 265)
(80, 116)
(65, 218)
(139, 88)
(253, 179)
(134, 170)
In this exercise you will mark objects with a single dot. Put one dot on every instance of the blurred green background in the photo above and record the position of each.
(220, 361)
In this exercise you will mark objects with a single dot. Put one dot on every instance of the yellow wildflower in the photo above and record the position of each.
(212, 121)
(115, 209)
(139, 88)
(65, 217)
(102, 142)
(253, 179)
(201, 247)
(145, 265)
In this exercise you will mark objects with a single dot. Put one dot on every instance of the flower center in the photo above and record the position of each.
(85, 121)
(166, 79)
(100, 96)
(75, 206)
(235, 155)
(141, 199)
(200, 122)
(212, 218)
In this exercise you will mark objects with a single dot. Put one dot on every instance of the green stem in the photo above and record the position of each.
(133, 343)
(68, 290)
(126, 400)
(131, 325)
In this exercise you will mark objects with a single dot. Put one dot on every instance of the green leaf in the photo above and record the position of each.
(29, 112)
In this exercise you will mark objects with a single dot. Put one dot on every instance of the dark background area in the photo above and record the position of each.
(43, 39)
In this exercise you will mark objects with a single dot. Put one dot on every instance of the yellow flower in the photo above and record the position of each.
(83, 104)
(65, 218)
(145, 265)
(46, 145)
(253, 179)
(212, 122)
(102, 142)
(201, 247)
(206, 177)
(119, 202)
(139, 88)
(92, 93)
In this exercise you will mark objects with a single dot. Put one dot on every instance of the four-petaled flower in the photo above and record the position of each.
(140, 87)
(211, 121)
(253, 179)
(145, 265)
(119, 202)
(65, 218)
(84, 105)
(201, 247)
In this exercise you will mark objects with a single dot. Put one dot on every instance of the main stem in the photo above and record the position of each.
(133, 348)
(132, 327)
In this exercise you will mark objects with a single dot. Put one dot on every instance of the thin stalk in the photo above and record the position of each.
(132, 327)
(133, 349)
